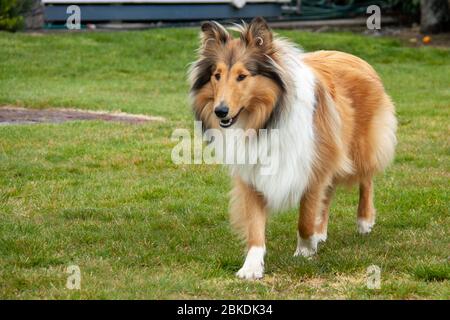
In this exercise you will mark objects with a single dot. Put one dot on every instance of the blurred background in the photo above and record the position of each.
(431, 15)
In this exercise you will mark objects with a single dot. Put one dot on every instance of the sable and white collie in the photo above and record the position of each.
(335, 122)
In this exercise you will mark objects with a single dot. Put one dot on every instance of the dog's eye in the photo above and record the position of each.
(217, 76)
(241, 77)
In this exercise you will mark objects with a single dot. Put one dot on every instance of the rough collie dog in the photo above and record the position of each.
(335, 122)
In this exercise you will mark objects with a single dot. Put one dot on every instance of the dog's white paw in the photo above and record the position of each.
(364, 226)
(253, 267)
(304, 252)
(251, 272)
(308, 247)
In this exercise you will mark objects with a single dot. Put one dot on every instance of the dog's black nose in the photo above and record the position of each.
(221, 111)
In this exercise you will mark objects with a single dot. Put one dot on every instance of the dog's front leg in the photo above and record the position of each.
(313, 218)
(248, 216)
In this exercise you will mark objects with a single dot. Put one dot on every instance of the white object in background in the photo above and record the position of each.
(238, 3)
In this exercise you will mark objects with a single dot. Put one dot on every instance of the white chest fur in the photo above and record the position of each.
(294, 148)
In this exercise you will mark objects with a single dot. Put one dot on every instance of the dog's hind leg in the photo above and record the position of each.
(248, 215)
(366, 209)
(312, 221)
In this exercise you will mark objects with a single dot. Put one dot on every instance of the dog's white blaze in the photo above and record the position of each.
(295, 147)
(253, 267)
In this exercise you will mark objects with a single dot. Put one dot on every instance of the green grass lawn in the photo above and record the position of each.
(106, 196)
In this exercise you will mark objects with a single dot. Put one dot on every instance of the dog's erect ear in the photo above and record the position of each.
(213, 31)
(258, 34)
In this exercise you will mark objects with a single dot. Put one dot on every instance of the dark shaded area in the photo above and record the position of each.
(15, 115)
(434, 16)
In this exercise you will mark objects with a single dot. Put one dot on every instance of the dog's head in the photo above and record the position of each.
(236, 80)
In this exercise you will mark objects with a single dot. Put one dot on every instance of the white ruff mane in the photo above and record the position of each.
(295, 146)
